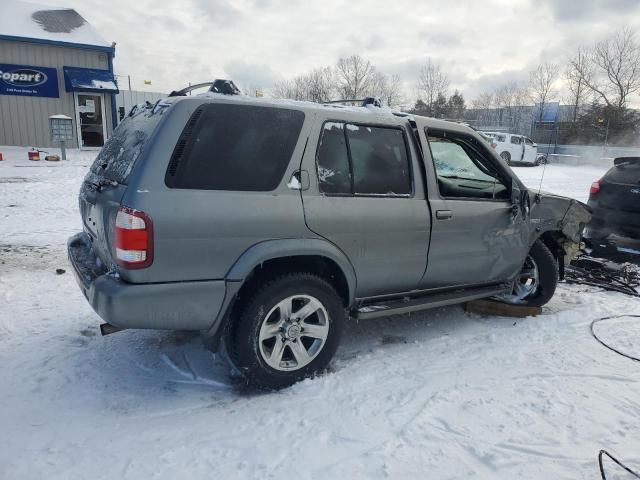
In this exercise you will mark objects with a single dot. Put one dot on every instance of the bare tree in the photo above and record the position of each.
(315, 86)
(522, 111)
(320, 84)
(612, 71)
(393, 95)
(504, 98)
(355, 76)
(541, 82)
(285, 89)
(387, 88)
(432, 82)
(483, 105)
(575, 75)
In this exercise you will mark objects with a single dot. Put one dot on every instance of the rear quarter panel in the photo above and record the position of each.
(199, 234)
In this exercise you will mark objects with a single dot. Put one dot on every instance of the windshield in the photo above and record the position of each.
(118, 156)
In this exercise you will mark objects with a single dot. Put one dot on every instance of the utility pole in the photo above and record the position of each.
(606, 138)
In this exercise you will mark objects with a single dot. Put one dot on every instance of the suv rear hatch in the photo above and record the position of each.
(620, 187)
(106, 182)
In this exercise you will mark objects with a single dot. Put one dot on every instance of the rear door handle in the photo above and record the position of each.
(444, 214)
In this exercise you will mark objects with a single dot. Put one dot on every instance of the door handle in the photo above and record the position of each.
(444, 214)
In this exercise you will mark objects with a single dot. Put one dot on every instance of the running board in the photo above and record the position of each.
(434, 300)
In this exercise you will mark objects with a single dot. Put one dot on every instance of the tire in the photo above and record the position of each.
(546, 278)
(265, 344)
(506, 156)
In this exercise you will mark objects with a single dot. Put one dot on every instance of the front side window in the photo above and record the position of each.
(528, 141)
(363, 160)
(235, 147)
(462, 170)
(380, 161)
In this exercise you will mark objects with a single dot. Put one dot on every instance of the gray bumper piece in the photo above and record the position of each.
(166, 306)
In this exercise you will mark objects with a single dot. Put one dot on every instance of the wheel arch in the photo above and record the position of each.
(273, 257)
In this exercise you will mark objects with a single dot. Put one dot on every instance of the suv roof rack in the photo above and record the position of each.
(225, 87)
(374, 101)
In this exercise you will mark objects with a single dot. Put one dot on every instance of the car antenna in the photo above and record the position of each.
(546, 160)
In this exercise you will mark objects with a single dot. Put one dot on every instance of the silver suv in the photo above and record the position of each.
(268, 224)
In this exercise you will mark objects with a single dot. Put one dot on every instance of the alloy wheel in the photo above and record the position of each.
(293, 332)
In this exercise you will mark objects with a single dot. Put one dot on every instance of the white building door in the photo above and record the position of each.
(90, 120)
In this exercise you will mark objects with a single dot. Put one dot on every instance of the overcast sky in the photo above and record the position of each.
(480, 44)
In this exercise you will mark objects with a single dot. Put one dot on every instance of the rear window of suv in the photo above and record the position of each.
(119, 154)
(235, 147)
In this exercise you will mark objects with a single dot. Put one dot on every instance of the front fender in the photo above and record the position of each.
(555, 213)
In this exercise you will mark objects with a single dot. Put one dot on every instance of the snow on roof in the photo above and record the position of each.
(44, 22)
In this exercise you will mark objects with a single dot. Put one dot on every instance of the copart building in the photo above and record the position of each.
(52, 62)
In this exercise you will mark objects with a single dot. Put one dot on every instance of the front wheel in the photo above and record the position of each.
(289, 330)
(537, 281)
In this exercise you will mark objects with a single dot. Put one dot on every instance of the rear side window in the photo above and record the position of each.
(363, 160)
(119, 154)
(516, 140)
(333, 160)
(235, 147)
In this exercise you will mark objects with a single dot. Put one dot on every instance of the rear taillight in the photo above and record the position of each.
(494, 145)
(134, 239)
(595, 187)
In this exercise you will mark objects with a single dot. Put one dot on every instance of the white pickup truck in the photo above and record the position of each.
(515, 148)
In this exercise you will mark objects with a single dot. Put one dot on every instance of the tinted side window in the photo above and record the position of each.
(462, 171)
(236, 147)
(516, 140)
(500, 138)
(528, 141)
(379, 160)
(332, 160)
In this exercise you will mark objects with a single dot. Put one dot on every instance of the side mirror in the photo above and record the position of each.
(516, 193)
(520, 201)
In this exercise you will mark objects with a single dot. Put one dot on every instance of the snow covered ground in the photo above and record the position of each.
(441, 394)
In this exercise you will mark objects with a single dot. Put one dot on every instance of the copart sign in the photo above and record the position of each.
(27, 80)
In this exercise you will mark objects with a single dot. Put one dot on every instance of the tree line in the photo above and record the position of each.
(597, 81)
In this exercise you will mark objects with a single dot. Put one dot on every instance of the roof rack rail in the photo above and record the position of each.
(225, 87)
(374, 101)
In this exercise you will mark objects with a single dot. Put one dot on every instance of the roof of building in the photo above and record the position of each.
(46, 24)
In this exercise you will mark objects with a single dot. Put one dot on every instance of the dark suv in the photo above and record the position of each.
(267, 224)
(615, 203)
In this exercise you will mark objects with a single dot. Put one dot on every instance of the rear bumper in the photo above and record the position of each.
(613, 228)
(167, 306)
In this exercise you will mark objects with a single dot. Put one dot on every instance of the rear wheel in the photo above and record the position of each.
(289, 330)
(506, 156)
(537, 281)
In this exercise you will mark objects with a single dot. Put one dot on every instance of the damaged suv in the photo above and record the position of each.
(267, 224)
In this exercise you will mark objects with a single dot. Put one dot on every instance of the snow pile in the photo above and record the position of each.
(440, 394)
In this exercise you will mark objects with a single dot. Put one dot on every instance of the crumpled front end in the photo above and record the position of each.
(559, 219)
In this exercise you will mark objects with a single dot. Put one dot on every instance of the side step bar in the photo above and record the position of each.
(434, 300)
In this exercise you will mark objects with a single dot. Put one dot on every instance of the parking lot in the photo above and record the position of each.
(440, 394)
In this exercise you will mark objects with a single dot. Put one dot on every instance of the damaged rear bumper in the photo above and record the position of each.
(170, 306)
